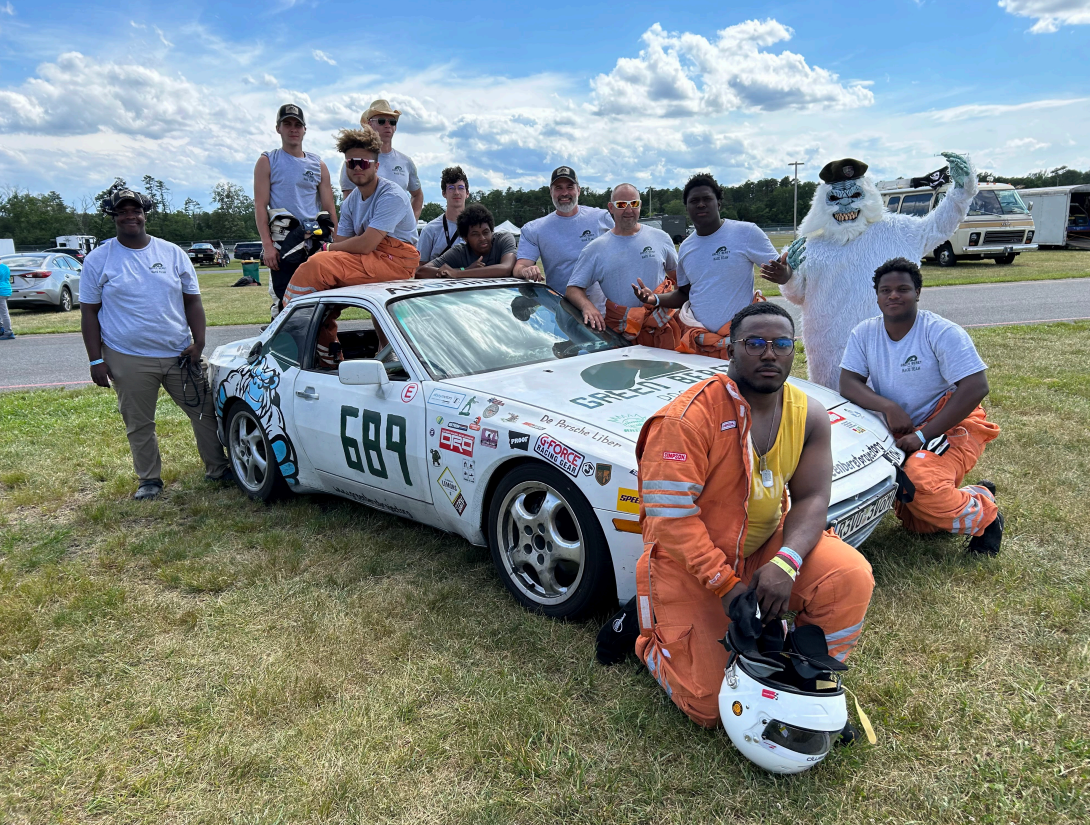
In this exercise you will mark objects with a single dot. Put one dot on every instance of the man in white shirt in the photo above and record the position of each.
(395, 166)
(924, 375)
(560, 237)
(441, 234)
(140, 304)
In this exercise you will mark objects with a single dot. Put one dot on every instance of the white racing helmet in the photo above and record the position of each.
(779, 727)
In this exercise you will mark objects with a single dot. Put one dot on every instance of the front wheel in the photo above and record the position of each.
(546, 543)
(1006, 259)
(65, 302)
(945, 255)
(253, 460)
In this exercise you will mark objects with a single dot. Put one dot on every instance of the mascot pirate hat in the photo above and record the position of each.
(838, 171)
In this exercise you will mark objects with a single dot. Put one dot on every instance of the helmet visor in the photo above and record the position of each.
(799, 740)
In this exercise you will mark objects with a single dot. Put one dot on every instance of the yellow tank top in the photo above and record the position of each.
(766, 503)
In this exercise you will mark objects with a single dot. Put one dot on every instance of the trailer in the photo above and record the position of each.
(84, 243)
(1061, 214)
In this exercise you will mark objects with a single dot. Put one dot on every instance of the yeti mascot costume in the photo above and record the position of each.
(846, 235)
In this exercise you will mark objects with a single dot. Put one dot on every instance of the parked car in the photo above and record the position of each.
(209, 253)
(486, 408)
(78, 254)
(248, 251)
(44, 279)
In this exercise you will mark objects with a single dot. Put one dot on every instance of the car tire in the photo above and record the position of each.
(678, 239)
(65, 302)
(1006, 259)
(251, 455)
(547, 544)
(945, 255)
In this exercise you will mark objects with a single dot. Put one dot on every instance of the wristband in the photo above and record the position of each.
(923, 441)
(784, 566)
(655, 295)
(96, 362)
(791, 557)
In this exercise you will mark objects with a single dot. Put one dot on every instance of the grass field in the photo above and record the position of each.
(250, 305)
(202, 658)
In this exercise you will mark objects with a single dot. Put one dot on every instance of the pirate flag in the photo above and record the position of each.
(934, 179)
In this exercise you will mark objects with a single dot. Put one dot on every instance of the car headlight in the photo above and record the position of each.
(1029, 237)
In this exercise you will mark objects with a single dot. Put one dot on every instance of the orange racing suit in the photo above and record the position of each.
(392, 260)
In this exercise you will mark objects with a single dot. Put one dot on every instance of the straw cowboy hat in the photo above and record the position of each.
(378, 107)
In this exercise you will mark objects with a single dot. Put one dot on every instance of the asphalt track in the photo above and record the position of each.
(59, 360)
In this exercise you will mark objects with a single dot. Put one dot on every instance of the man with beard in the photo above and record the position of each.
(394, 166)
(441, 234)
(559, 237)
(484, 254)
(924, 375)
(846, 235)
(714, 270)
(716, 467)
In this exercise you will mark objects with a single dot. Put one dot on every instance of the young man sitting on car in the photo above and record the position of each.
(376, 234)
(485, 254)
(716, 467)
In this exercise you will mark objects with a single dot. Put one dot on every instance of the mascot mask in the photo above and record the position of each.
(844, 205)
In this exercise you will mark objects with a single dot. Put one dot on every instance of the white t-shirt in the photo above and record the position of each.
(918, 370)
(141, 295)
(433, 239)
(388, 209)
(615, 262)
(395, 166)
(558, 241)
(719, 270)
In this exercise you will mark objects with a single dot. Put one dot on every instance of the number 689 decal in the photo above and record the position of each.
(371, 427)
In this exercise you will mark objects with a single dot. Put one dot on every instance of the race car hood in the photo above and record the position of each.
(618, 390)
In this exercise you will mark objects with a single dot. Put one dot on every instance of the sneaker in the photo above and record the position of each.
(6, 335)
(228, 477)
(987, 543)
(148, 490)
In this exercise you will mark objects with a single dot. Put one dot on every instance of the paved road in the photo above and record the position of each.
(41, 361)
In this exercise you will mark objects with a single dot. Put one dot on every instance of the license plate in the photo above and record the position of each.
(192, 255)
(864, 515)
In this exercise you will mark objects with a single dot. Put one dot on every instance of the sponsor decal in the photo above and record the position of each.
(859, 460)
(628, 423)
(493, 407)
(736, 708)
(445, 398)
(618, 624)
(769, 694)
(476, 425)
(409, 393)
(490, 438)
(510, 418)
(431, 432)
(518, 441)
(622, 381)
(603, 473)
(469, 471)
(467, 409)
(560, 454)
(370, 502)
(588, 469)
(532, 426)
(728, 425)
(835, 418)
(436, 459)
(456, 442)
(856, 428)
(628, 501)
(675, 457)
(458, 426)
(449, 485)
(438, 419)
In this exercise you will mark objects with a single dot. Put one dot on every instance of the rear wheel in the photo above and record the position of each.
(546, 543)
(945, 255)
(1006, 259)
(251, 455)
(678, 239)
(65, 303)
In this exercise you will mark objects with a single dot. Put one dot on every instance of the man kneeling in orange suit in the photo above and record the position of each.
(716, 467)
(925, 376)
(376, 233)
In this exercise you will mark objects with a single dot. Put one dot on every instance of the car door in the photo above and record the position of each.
(366, 442)
(77, 270)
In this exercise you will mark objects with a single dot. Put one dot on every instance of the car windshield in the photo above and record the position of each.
(997, 202)
(466, 332)
(1011, 203)
(24, 261)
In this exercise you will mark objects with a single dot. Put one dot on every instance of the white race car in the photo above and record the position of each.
(488, 409)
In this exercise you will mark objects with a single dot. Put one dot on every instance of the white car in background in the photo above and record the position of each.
(488, 409)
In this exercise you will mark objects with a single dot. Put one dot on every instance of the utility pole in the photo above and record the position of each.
(796, 164)
(649, 201)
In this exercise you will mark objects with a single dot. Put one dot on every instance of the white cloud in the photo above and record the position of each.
(685, 73)
(8, 9)
(993, 110)
(1027, 144)
(1050, 15)
(323, 57)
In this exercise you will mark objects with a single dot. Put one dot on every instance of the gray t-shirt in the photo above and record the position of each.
(434, 236)
(394, 166)
(388, 209)
(459, 256)
(293, 183)
(719, 270)
(614, 262)
(558, 242)
(918, 370)
(141, 295)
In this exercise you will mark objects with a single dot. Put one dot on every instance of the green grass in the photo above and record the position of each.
(202, 658)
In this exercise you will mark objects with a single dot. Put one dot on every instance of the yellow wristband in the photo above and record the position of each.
(784, 566)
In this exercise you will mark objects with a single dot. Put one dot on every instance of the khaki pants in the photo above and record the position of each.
(136, 380)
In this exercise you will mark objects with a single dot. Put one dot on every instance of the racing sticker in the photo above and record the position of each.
(493, 407)
(469, 471)
(675, 457)
(445, 398)
(510, 418)
(728, 425)
(560, 454)
(518, 441)
(456, 442)
(490, 438)
(628, 501)
(436, 459)
(769, 694)
(449, 485)
(835, 418)
(409, 392)
(603, 473)
(588, 469)
(467, 408)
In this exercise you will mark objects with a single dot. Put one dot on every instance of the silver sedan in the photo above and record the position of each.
(43, 279)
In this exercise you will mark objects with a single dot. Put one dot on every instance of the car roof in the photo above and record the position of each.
(384, 290)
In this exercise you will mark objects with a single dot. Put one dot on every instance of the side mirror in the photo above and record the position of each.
(363, 373)
(1029, 206)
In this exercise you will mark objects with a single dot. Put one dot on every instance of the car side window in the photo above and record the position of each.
(73, 263)
(60, 263)
(916, 204)
(894, 202)
(289, 342)
(347, 332)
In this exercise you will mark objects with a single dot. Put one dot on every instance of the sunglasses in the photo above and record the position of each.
(757, 346)
(359, 163)
(626, 204)
(382, 121)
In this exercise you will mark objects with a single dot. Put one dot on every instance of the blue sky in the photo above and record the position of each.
(646, 92)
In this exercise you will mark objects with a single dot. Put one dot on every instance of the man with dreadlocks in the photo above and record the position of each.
(846, 235)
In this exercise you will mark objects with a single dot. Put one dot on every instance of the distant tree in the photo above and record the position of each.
(431, 211)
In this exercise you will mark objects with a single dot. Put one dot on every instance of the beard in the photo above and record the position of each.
(819, 221)
(566, 209)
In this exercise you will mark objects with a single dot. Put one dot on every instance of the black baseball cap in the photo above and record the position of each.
(564, 172)
(289, 110)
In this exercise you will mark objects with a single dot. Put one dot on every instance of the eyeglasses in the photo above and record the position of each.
(359, 163)
(382, 121)
(757, 346)
(456, 187)
(626, 204)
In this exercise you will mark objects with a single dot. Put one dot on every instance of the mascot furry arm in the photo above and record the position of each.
(845, 236)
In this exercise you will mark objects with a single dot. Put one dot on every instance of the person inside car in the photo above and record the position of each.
(485, 254)
(717, 467)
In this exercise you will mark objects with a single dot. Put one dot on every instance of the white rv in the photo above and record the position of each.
(84, 243)
(1061, 214)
